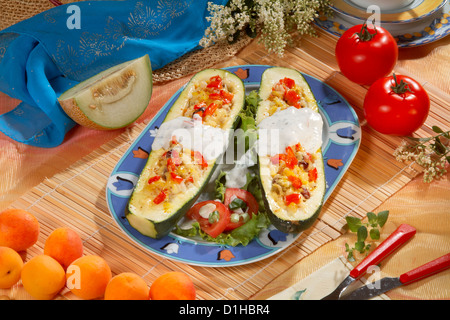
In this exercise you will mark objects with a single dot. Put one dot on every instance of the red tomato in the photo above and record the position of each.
(213, 229)
(247, 197)
(366, 53)
(396, 105)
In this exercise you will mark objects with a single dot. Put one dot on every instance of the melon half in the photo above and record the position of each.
(112, 99)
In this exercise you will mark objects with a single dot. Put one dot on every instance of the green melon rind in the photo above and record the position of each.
(72, 105)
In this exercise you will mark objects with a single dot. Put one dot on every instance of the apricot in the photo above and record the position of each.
(11, 265)
(19, 229)
(88, 276)
(127, 286)
(64, 245)
(173, 286)
(43, 277)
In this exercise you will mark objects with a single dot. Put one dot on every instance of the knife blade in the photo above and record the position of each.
(402, 234)
(385, 284)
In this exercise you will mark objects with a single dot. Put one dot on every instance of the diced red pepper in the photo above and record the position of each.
(154, 179)
(175, 155)
(176, 177)
(174, 140)
(199, 158)
(292, 198)
(291, 159)
(296, 181)
(210, 110)
(190, 179)
(312, 174)
(215, 82)
(200, 105)
(170, 165)
(160, 197)
(215, 96)
(292, 97)
(226, 96)
(288, 82)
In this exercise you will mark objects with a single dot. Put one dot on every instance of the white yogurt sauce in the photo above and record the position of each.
(289, 127)
(192, 134)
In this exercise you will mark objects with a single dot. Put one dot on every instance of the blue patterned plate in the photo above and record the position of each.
(341, 139)
(430, 29)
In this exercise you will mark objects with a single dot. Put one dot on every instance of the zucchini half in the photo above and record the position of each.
(168, 186)
(293, 181)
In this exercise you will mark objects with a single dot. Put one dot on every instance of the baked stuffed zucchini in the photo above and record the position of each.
(289, 150)
(194, 134)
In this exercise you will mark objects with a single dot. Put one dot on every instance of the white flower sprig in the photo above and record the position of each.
(431, 153)
(278, 21)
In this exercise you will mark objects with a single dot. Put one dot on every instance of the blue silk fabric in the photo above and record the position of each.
(45, 55)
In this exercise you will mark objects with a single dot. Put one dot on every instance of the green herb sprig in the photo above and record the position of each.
(364, 229)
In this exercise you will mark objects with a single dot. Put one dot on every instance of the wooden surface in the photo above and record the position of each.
(71, 191)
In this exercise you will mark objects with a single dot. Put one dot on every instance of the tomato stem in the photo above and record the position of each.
(364, 34)
(401, 87)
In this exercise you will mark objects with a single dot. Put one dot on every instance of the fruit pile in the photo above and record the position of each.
(63, 265)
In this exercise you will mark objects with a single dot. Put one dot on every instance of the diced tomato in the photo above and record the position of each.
(210, 110)
(160, 197)
(215, 82)
(200, 105)
(213, 229)
(215, 96)
(244, 195)
(190, 179)
(175, 156)
(296, 181)
(226, 96)
(312, 174)
(171, 165)
(288, 82)
(198, 157)
(292, 198)
(292, 97)
(291, 159)
(174, 140)
(176, 177)
(154, 179)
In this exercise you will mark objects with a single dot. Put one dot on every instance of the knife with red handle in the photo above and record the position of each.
(402, 234)
(383, 285)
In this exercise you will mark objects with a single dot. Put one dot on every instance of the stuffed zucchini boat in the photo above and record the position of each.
(194, 134)
(289, 150)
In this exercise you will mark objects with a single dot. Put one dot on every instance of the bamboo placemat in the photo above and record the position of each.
(76, 196)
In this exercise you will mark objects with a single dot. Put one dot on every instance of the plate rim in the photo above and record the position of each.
(420, 41)
(423, 16)
(276, 250)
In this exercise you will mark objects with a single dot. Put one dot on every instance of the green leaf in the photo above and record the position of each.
(347, 247)
(438, 147)
(350, 256)
(373, 220)
(237, 203)
(353, 223)
(374, 234)
(382, 217)
(437, 129)
(361, 234)
(360, 246)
